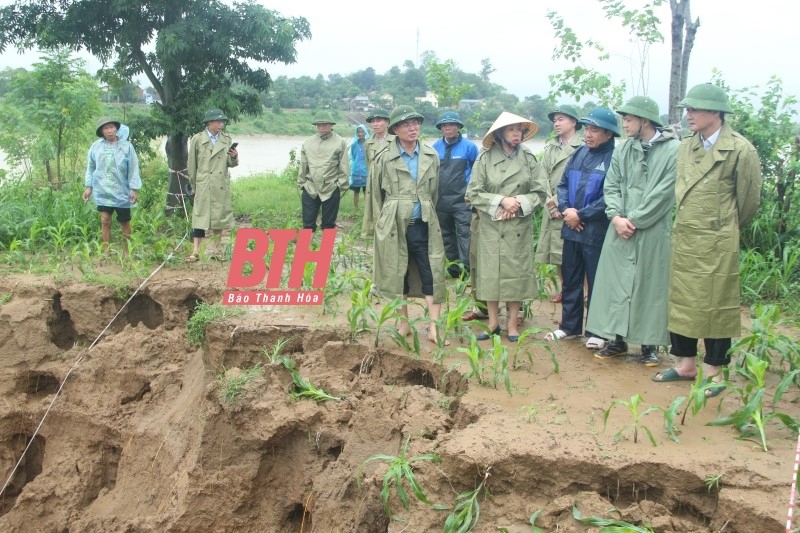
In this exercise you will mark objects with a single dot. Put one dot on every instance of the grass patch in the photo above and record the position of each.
(203, 315)
(5, 298)
(231, 384)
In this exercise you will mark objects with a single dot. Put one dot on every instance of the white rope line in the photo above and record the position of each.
(790, 515)
(96, 340)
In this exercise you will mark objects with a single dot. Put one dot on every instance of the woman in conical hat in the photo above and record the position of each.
(505, 193)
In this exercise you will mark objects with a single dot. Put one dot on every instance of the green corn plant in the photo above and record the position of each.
(670, 414)
(633, 406)
(766, 341)
(525, 347)
(607, 525)
(360, 303)
(467, 510)
(302, 388)
(697, 396)
(338, 284)
(499, 364)
(475, 357)
(450, 324)
(274, 355)
(400, 473)
(750, 419)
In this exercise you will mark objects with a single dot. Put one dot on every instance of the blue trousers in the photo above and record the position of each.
(578, 261)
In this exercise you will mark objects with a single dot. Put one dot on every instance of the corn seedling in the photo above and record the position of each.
(633, 406)
(302, 388)
(522, 346)
(450, 324)
(467, 509)
(400, 473)
(608, 525)
(274, 355)
(475, 357)
(713, 482)
(768, 344)
(499, 364)
(360, 303)
(529, 413)
(204, 314)
(231, 386)
(750, 419)
(670, 414)
(697, 396)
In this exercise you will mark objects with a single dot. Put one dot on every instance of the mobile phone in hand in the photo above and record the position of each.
(233, 146)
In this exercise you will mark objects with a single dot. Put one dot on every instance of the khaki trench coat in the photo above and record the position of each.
(505, 270)
(210, 180)
(630, 296)
(550, 169)
(324, 166)
(373, 148)
(717, 192)
(391, 194)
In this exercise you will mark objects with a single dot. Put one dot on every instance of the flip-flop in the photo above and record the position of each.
(595, 343)
(559, 335)
(670, 374)
(192, 258)
(557, 298)
(713, 392)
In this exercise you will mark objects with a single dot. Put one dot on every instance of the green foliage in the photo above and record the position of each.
(440, 80)
(633, 406)
(400, 473)
(766, 341)
(467, 510)
(303, 389)
(670, 414)
(5, 298)
(53, 108)
(608, 525)
(204, 314)
(750, 418)
(231, 385)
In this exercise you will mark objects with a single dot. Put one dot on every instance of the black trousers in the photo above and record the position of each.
(417, 243)
(311, 207)
(578, 261)
(716, 349)
(456, 235)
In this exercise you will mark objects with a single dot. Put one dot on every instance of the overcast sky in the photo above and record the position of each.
(748, 45)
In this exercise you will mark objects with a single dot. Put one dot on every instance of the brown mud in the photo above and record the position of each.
(139, 440)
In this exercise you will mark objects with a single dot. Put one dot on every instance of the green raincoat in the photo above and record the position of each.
(324, 166)
(373, 147)
(629, 296)
(717, 192)
(550, 170)
(505, 270)
(208, 175)
(391, 194)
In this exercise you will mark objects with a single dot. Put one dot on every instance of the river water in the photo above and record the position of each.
(270, 153)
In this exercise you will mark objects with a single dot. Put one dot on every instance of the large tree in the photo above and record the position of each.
(683, 32)
(191, 52)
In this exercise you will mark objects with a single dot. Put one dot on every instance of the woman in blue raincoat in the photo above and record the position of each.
(358, 162)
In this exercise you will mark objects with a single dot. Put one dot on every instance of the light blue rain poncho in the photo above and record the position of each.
(112, 171)
(358, 160)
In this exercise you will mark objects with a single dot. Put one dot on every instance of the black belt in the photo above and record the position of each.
(413, 221)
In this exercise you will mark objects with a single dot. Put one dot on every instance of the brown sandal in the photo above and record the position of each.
(557, 298)
(192, 258)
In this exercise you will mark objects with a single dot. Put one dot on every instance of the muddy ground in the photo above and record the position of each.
(139, 440)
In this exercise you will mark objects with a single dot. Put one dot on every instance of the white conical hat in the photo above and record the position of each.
(505, 119)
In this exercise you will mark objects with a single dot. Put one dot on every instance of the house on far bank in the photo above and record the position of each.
(468, 105)
(387, 100)
(151, 96)
(430, 97)
(360, 103)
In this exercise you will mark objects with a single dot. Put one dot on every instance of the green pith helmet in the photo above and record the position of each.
(708, 97)
(449, 117)
(566, 110)
(602, 117)
(215, 114)
(323, 117)
(402, 113)
(642, 107)
(102, 122)
(377, 113)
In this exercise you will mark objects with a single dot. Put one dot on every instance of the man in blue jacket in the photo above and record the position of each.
(456, 157)
(582, 206)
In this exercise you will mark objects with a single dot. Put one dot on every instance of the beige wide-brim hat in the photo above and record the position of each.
(506, 119)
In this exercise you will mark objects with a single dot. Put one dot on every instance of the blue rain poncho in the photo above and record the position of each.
(112, 171)
(358, 160)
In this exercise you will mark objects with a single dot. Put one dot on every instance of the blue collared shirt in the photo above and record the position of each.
(412, 162)
(212, 137)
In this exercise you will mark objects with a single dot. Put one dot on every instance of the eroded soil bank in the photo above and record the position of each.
(139, 439)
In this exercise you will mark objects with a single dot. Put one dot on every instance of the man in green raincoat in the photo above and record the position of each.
(401, 214)
(717, 192)
(629, 300)
(210, 157)
(549, 170)
(378, 120)
(324, 173)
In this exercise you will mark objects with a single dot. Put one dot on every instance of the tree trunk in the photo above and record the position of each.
(177, 193)
(681, 50)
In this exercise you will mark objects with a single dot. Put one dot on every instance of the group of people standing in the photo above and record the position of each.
(645, 232)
